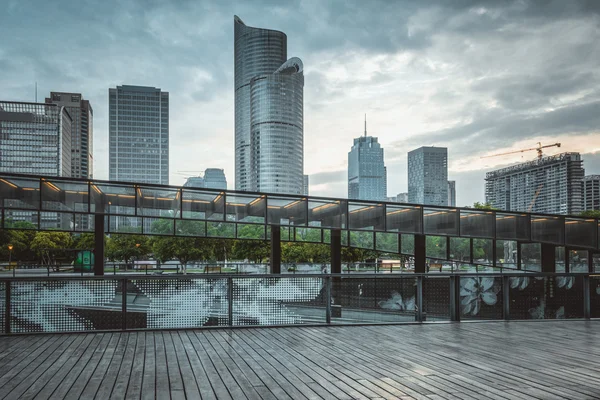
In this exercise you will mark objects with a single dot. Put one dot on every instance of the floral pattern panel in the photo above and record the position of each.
(436, 299)
(2, 306)
(535, 297)
(481, 297)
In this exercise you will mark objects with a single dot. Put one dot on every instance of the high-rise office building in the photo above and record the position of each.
(452, 193)
(591, 192)
(82, 132)
(366, 169)
(402, 197)
(428, 176)
(550, 185)
(269, 112)
(214, 178)
(305, 185)
(139, 134)
(35, 138)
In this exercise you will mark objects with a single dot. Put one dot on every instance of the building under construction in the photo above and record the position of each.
(552, 185)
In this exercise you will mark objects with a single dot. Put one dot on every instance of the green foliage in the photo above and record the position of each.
(483, 206)
(123, 247)
(50, 240)
(184, 249)
(253, 250)
(591, 214)
(85, 241)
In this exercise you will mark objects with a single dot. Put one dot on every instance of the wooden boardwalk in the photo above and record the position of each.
(492, 360)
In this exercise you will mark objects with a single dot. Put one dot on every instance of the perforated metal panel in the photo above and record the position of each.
(528, 296)
(2, 306)
(63, 306)
(278, 301)
(595, 296)
(481, 297)
(436, 298)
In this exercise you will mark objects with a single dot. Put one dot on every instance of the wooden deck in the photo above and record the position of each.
(495, 360)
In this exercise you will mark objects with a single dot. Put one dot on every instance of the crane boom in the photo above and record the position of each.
(538, 149)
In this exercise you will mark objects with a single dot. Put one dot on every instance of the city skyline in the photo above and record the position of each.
(458, 91)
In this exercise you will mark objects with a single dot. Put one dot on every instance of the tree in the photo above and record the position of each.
(50, 241)
(184, 249)
(123, 247)
(591, 214)
(253, 250)
(85, 241)
(483, 206)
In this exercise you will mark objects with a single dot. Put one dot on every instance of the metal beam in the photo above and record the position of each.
(275, 259)
(548, 257)
(336, 251)
(420, 254)
(99, 244)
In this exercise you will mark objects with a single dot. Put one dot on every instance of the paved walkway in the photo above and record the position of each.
(492, 360)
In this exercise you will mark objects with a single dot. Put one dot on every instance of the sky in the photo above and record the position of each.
(478, 77)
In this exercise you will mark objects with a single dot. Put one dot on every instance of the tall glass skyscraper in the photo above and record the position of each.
(269, 112)
(82, 137)
(214, 178)
(367, 178)
(139, 134)
(428, 176)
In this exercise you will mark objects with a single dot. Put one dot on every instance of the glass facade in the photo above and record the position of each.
(269, 142)
(366, 170)
(428, 176)
(551, 185)
(35, 139)
(452, 193)
(82, 132)
(139, 134)
(591, 192)
(214, 178)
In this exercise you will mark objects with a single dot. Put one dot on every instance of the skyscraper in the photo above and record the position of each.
(591, 192)
(366, 170)
(269, 114)
(550, 185)
(82, 132)
(139, 134)
(194, 182)
(214, 178)
(452, 193)
(305, 185)
(428, 176)
(35, 138)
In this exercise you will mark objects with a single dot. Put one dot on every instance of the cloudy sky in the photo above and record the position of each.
(479, 77)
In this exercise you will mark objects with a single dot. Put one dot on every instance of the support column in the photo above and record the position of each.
(275, 259)
(98, 244)
(336, 251)
(420, 254)
(548, 257)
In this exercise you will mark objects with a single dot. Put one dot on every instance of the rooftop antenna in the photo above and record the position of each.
(365, 125)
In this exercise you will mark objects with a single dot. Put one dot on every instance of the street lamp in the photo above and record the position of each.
(10, 247)
(137, 246)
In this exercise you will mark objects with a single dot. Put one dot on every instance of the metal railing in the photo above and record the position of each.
(130, 302)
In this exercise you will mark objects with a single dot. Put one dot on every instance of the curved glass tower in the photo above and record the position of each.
(269, 114)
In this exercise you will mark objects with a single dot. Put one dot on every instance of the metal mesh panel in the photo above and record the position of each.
(180, 303)
(565, 297)
(364, 300)
(2, 306)
(539, 297)
(595, 296)
(481, 297)
(436, 298)
(278, 301)
(63, 306)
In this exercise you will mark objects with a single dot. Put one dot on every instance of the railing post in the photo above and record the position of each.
(455, 298)
(419, 296)
(328, 300)
(586, 297)
(124, 304)
(7, 307)
(230, 301)
(506, 297)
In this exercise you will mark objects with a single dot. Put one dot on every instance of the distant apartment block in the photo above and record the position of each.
(452, 193)
(305, 184)
(214, 178)
(82, 132)
(399, 198)
(138, 134)
(550, 185)
(591, 192)
(428, 176)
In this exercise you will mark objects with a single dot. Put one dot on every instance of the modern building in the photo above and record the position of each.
(82, 132)
(550, 185)
(452, 193)
(214, 178)
(35, 138)
(195, 182)
(367, 178)
(428, 176)
(399, 198)
(139, 134)
(305, 185)
(269, 112)
(591, 192)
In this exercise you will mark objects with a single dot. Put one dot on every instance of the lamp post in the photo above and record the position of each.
(10, 247)
(137, 246)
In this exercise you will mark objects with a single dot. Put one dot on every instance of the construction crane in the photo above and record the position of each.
(538, 149)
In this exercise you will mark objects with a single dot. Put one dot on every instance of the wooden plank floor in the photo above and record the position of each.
(492, 360)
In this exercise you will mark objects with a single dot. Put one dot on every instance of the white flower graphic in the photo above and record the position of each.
(396, 302)
(474, 291)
